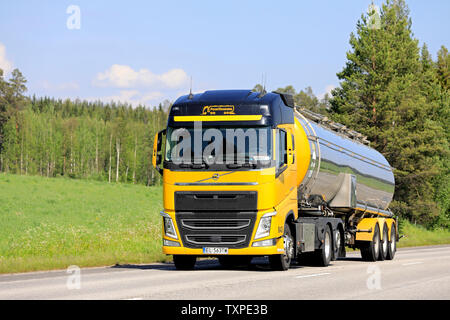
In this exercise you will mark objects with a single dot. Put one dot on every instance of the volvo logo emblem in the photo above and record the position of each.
(215, 176)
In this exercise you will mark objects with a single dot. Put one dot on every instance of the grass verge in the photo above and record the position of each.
(54, 223)
(416, 235)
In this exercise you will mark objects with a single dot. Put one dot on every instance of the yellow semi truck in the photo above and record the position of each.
(248, 174)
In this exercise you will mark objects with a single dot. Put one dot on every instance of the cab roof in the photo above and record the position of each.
(237, 97)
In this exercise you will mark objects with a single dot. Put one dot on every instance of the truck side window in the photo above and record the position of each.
(281, 148)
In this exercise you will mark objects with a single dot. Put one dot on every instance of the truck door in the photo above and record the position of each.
(281, 163)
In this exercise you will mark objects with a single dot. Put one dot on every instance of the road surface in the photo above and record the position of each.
(415, 273)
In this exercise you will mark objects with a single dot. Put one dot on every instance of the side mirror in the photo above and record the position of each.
(157, 156)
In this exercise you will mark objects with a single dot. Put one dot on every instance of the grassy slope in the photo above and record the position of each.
(53, 223)
(416, 235)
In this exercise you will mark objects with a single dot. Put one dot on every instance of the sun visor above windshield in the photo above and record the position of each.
(244, 108)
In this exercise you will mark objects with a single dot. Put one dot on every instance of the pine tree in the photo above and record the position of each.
(384, 94)
(443, 65)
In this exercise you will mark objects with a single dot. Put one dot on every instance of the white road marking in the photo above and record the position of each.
(312, 275)
(412, 263)
(134, 299)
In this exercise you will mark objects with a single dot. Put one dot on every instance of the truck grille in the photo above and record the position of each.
(229, 229)
(215, 223)
(214, 239)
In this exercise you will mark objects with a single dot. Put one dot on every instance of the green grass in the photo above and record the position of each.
(416, 235)
(53, 223)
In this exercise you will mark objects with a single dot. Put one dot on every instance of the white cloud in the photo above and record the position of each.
(5, 64)
(123, 76)
(133, 97)
(151, 96)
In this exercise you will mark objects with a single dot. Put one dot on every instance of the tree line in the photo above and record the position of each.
(78, 139)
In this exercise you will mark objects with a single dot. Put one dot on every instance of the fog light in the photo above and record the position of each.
(265, 243)
(169, 243)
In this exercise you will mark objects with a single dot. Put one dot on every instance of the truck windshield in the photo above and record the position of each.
(219, 148)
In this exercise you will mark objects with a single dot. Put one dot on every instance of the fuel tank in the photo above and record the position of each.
(345, 172)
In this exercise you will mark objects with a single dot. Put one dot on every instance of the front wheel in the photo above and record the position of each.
(184, 262)
(282, 262)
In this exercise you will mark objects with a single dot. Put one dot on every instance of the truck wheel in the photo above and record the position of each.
(371, 250)
(234, 261)
(339, 248)
(323, 255)
(184, 262)
(392, 245)
(384, 244)
(282, 262)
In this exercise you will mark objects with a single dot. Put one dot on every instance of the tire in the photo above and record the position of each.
(323, 255)
(384, 244)
(339, 245)
(371, 250)
(234, 261)
(392, 244)
(281, 262)
(184, 262)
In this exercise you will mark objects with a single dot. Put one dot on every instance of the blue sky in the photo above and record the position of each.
(146, 51)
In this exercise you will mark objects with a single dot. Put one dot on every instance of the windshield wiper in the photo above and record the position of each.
(241, 165)
(199, 165)
(203, 165)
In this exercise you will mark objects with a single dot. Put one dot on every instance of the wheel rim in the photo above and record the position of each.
(338, 241)
(385, 242)
(393, 240)
(288, 247)
(327, 245)
(376, 245)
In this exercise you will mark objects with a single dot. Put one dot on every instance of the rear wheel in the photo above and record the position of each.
(392, 244)
(384, 244)
(323, 255)
(339, 247)
(184, 262)
(371, 250)
(283, 261)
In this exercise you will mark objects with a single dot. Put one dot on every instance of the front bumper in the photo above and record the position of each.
(250, 251)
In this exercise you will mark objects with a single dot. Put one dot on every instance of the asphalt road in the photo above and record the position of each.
(415, 273)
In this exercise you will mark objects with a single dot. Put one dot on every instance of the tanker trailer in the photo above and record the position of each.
(315, 189)
(346, 179)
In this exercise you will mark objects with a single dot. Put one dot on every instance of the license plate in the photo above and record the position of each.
(209, 250)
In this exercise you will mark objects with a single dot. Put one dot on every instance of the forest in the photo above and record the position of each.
(391, 89)
(77, 139)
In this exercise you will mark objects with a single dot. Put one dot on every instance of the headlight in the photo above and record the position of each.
(264, 225)
(169, 228)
